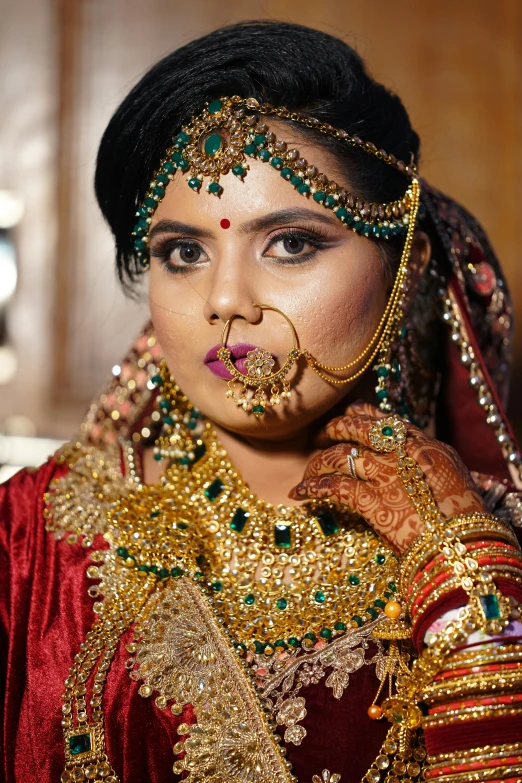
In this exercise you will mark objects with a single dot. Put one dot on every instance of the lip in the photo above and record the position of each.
(238, 354)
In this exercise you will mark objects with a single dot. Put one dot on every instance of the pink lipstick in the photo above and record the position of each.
(238, 354)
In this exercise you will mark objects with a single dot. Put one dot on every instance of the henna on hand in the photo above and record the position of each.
(378, 493)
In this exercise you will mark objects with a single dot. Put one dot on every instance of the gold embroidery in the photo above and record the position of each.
(184, 656)
(326, 777)
(77, 503)
(344, 656)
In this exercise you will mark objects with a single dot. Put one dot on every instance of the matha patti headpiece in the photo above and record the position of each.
(230, 131)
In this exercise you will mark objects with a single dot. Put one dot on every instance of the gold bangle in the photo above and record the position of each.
(476, 754)
(477, 776)
(503, 654)
(468, 714)
(474, 684)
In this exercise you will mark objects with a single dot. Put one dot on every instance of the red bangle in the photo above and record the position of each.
(455, 769)
(485, 701)
(479, 669)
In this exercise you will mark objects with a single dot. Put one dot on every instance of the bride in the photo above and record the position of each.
(283, 545)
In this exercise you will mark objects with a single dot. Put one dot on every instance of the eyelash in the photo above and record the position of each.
(318, 242)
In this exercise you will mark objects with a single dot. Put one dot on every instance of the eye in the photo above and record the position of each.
(178, 255)
(292, 246)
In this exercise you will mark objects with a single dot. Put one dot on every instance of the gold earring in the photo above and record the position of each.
(259, 375)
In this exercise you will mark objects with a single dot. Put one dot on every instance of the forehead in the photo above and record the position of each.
(262, 189)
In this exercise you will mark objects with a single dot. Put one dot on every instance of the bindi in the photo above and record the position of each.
(225, 223)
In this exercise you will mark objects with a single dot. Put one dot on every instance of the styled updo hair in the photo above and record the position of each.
(282, 64)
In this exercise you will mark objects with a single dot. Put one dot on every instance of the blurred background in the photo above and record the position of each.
(64, 67)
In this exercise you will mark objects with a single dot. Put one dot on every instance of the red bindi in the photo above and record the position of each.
(225, 223)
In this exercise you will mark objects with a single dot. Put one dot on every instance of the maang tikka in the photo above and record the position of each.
(223, 138)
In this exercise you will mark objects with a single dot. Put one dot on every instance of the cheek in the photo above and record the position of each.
(171, 315)
(341, 317)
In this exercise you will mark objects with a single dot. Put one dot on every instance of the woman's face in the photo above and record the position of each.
(260, 242)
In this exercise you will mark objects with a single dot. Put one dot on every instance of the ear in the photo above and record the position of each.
(419, 257)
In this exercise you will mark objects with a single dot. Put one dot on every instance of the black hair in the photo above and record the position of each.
(275, 62)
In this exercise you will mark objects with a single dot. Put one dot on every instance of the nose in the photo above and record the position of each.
(232, 293)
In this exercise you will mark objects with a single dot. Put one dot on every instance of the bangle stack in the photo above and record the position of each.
(472, 561)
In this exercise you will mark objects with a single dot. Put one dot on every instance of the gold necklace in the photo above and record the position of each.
(278, 576)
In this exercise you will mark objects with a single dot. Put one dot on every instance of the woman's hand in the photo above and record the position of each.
(378, 493)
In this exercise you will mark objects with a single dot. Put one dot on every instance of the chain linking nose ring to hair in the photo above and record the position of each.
(259, 376)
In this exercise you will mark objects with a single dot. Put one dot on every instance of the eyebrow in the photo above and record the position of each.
(264, 223)
(285, 216)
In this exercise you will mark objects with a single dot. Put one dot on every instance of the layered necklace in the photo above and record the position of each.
(279, 576)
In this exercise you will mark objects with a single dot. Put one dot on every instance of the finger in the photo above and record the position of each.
(331, 487)
(344, 458)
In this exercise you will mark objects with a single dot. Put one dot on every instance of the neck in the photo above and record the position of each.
(270, 468)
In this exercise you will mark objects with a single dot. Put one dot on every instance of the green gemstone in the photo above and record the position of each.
(168, 167)
(215, 188)
(380, 559)
(165, 405)
(276, 162)
(319, 196)
(392, 586)
(319, 597)
(325, 633)
(176, 572)
(241, 649)
(143, 568)
(303, 188)
(490, 607)
(387, 431)
(214, 489)
(264, 155)
(122, 552)
(250, 150)
(154, 570)
(249, 599)
(80, 743)
(162, 179)
(358, 620)
(311, 636)
(286, 173)
(282, 535)
(182, 138)
(217, 586)
(372, 612)
(158, 456)
(295, 180)
(177, 156)
(182, 526)
(379, 603)
(215, 106)
(354, 580)
(340, 626)
(382, 372)
(194, 183)
(213, 144)
(158, 191)
(191, 424)
(239, 520)
(164, 573)
(198, 575)
(184, 461)
(154, 514)
(141, 226)
(140, 244)
(260, 140)
(328, 523)
(330, 202)
(151, 202)
(199, 451)
(259, 647)
(238, 171)
(201, 560)
(157, 380)
(183, 165)
(144, 211)
(341, 213)
(282, 603)
(382, 394)
(280, 644)
(258, 409)
(293, 641)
